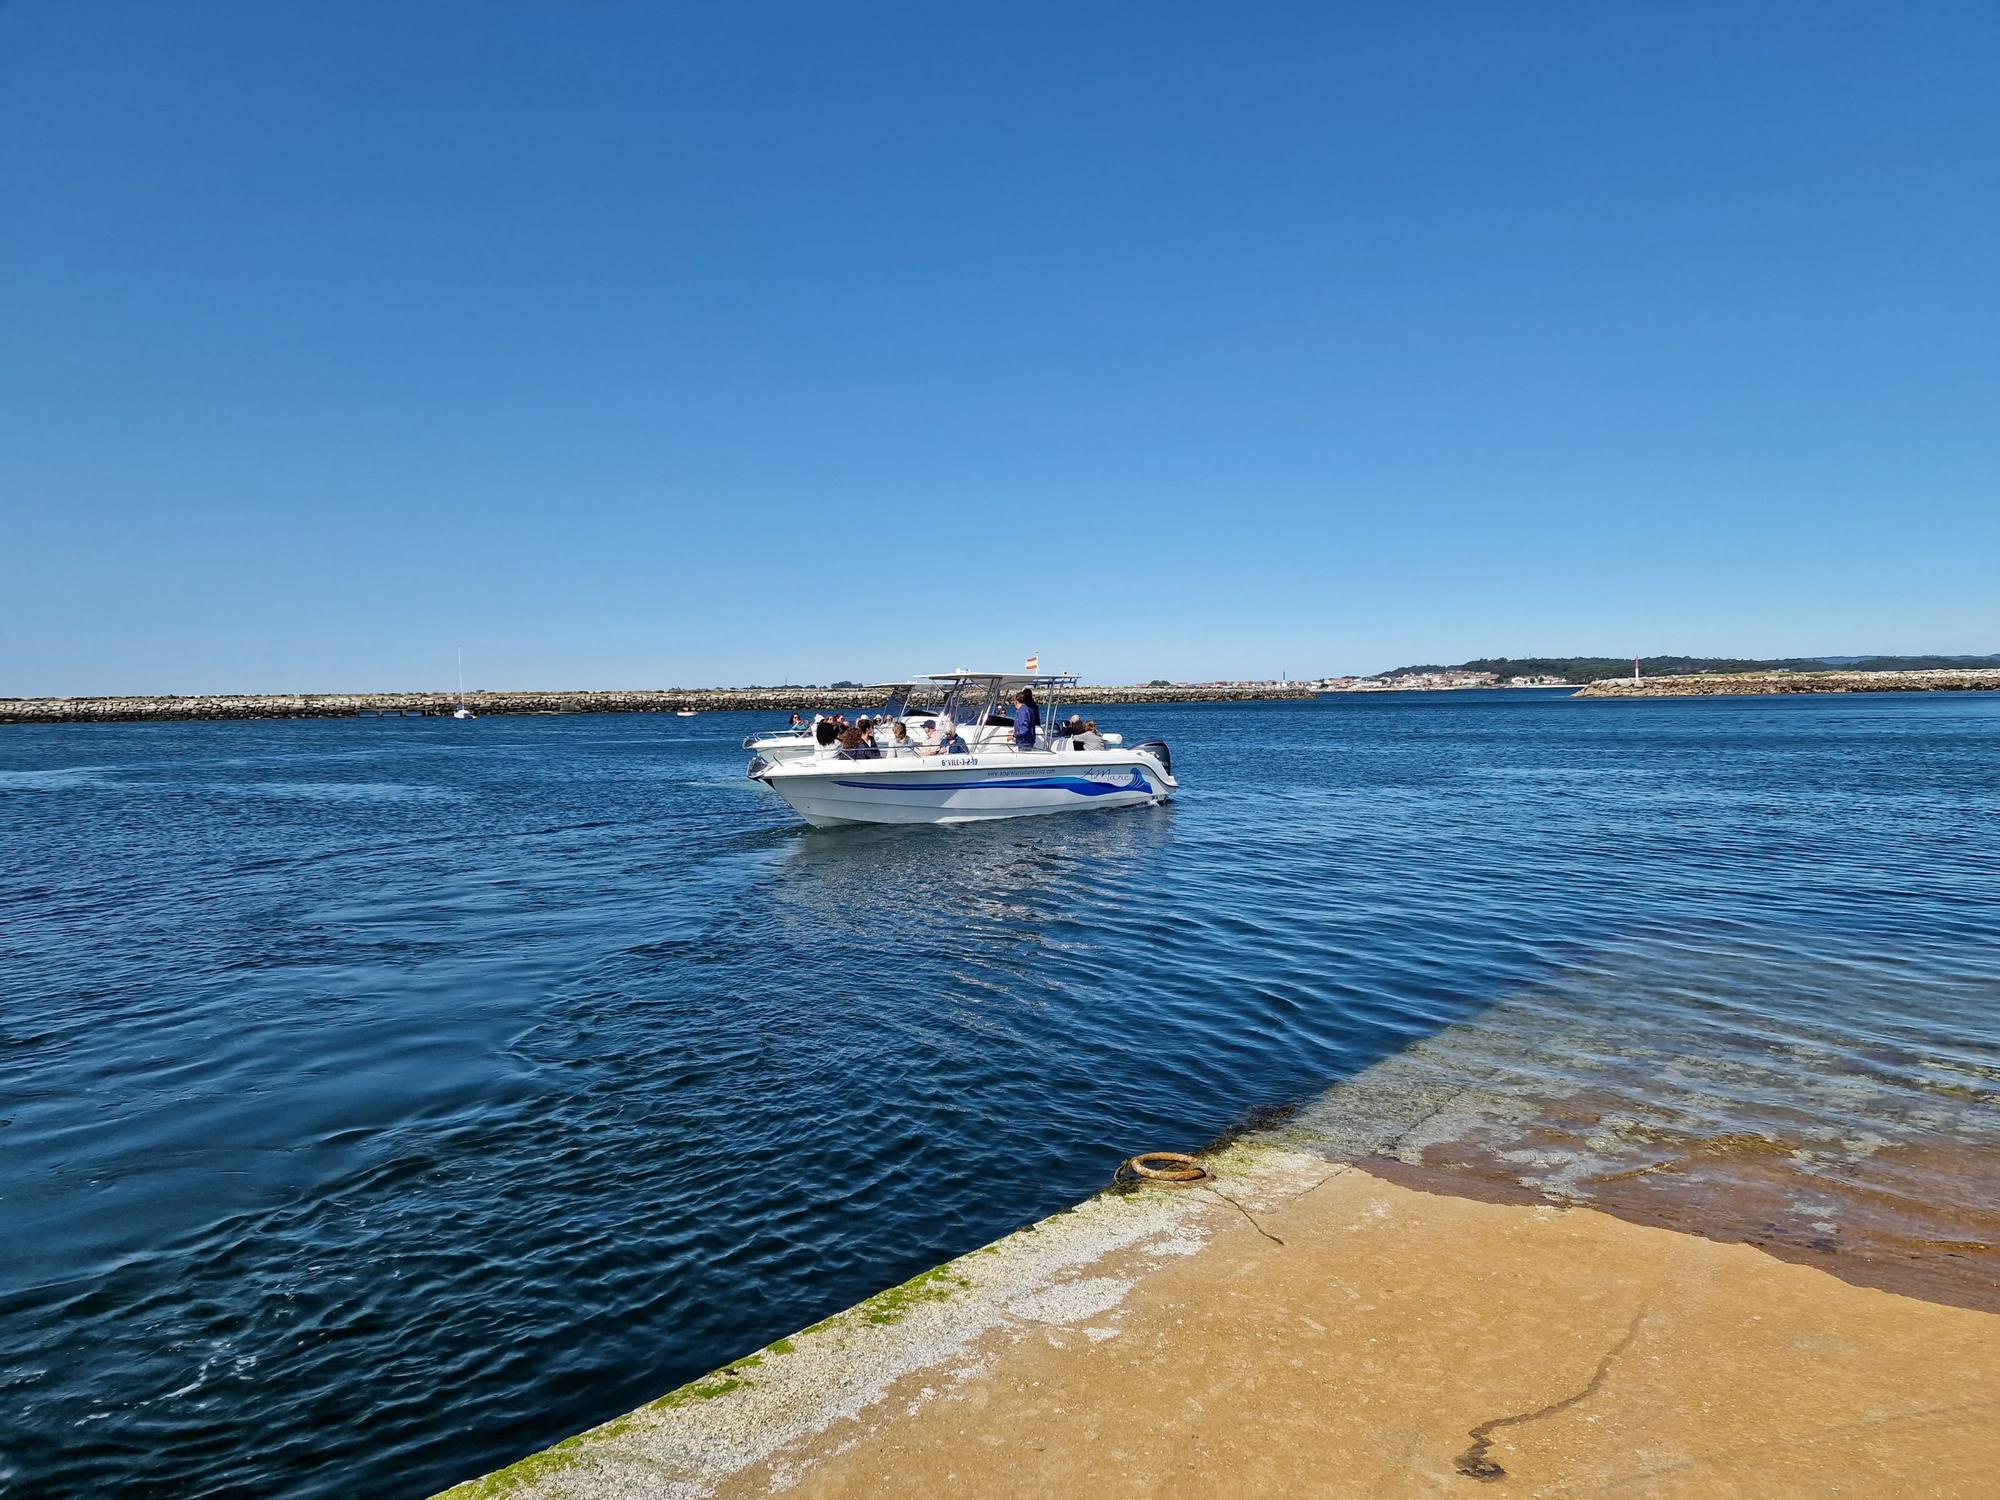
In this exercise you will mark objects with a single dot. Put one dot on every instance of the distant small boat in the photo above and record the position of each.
(462, 712)
(686, 713)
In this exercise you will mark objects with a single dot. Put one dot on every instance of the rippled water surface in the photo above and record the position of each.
(380, 1100)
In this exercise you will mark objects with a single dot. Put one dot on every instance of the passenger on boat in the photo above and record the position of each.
(1027, 719)
(797, 723)
(1076, 733)
(945, 740)
(899, 739)
(826, 736)
(855, 745)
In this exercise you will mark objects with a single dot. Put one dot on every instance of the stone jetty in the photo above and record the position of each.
(1718, 684)
(609, 701)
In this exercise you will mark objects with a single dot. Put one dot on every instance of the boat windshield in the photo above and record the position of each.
(968, 702)
(896, 704)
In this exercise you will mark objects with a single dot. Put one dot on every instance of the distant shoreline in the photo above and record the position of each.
(166, 708)
(206, 707)
(1459, 687)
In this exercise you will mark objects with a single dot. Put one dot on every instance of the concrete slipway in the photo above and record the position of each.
(1330, 1316)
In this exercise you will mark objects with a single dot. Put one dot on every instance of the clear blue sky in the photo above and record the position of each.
(651, 344)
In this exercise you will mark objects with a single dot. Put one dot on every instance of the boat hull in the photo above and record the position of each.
(966, 789)
(781, 746)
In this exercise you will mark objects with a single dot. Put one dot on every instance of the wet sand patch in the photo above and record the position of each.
(1909, 1217)
(1682, 1093)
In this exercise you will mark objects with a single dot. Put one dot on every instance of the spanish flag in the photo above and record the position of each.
(1035, 663)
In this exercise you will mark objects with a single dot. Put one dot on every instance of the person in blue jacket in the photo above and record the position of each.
(1027, 719)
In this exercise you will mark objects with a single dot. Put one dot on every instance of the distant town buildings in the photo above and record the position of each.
(1405, 683)
(1413, 682)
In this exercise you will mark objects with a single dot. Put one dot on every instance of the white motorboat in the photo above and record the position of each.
(888, 782)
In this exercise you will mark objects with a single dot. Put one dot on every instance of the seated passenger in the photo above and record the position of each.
(899, 739)
(1078, 733)
(945, 740)
(854, 745)
(826, 736)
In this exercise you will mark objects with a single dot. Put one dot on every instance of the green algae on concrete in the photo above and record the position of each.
(530, 1471)
(724, 1423)
(894, 1305)
(883, 1309)
(536, 1467)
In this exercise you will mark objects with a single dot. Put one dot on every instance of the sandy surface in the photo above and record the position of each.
(1406, 1343)
(1306, 1328)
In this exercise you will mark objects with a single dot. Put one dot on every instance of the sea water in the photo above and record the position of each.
(382, 1100)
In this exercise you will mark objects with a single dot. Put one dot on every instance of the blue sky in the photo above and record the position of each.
(653, 344)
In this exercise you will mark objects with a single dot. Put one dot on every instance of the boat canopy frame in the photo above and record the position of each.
(1049, 688)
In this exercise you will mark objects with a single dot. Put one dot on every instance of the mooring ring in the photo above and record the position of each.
(1179, 1167)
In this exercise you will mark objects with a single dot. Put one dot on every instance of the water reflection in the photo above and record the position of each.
(1005, 870)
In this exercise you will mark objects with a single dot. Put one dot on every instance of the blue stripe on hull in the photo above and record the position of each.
(1077, 784)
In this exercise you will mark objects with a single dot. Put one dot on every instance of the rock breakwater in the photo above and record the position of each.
(613, 701)
(1739, 683)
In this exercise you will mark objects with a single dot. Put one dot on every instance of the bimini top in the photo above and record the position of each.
(1008, 679)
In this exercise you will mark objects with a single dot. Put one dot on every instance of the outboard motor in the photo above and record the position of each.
(1159, 751)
